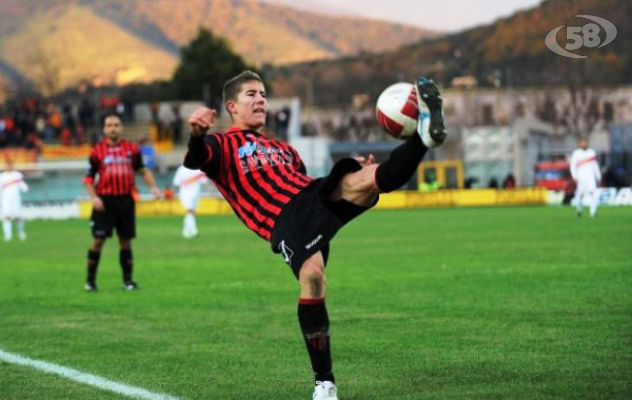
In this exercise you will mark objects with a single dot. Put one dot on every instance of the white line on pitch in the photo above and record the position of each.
(82, 377)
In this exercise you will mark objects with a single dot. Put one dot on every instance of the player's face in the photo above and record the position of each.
(583, 144)
(250, 108)
(113, 128)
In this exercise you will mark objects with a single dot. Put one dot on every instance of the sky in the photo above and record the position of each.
(440, 15)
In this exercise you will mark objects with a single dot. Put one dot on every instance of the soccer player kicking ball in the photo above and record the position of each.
(264, 181)
(113, 163)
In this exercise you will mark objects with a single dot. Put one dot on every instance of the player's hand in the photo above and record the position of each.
(202, 120)
(366, 161)
(97, 203)
(156, 192)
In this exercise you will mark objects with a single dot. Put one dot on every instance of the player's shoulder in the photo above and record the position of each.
(10, 175)
(98, 147)
(133, 146)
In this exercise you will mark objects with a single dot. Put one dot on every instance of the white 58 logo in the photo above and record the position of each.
(586, 36)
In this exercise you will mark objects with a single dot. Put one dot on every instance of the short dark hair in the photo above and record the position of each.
(109, 115)
(233, 85)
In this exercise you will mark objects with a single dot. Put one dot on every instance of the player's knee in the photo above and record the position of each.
(359, 187)
(312, 277)
(98, 243)
(313, 271)
(362, 180)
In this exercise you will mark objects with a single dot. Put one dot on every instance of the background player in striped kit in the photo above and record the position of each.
(264, 182)
(110, 182)
(11, 187)
(586, 173)
(189, 183)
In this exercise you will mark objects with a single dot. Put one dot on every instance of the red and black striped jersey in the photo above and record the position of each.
(113, 167)
(257, 175)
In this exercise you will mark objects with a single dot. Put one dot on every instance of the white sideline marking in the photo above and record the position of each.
(82, 377)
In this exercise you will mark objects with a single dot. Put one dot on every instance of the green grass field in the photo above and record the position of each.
(493, 303)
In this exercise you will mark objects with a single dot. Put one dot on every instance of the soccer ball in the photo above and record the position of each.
(396, 110)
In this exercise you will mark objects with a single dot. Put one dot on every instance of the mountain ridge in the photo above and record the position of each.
(265, 34)
(509, 52)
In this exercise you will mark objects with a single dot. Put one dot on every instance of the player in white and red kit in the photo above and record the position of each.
(11, 187)
(189, 183)
(586, 174)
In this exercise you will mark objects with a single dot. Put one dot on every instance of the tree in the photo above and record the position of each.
(205, 64)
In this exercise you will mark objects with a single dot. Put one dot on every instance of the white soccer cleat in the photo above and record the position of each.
(130, 286)
(91, 287)
(325, 391)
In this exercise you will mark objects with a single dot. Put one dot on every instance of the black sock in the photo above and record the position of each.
(401, 164)
(312, 316)
(93, 265)
(125, 258)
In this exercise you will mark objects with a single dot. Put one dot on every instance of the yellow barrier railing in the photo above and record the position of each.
(212, 206)
(395, 200)
(463, 198)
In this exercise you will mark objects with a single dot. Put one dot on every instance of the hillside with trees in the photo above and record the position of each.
(510, 52)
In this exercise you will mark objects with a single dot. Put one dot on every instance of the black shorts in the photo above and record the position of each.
(310, 220)
(119, 213)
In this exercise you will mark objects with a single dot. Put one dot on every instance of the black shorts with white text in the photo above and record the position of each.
(309, 222)
(119, 213)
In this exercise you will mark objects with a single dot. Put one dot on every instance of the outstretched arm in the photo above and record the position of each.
(199, 152)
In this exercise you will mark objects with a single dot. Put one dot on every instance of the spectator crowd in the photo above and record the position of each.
(31, 123)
